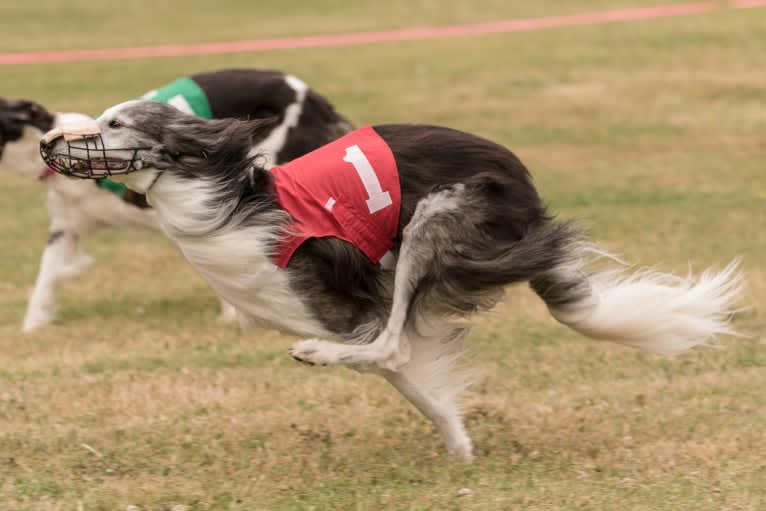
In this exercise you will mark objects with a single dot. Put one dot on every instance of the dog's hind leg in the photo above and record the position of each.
(442, 411)
(430, 230)
(431, 382)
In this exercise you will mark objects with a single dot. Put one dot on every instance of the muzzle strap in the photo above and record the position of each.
(154, 182)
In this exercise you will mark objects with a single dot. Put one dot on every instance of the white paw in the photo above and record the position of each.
(228, 313)
(315, 352)
(36, 320)
(382, 353)
(462, 450)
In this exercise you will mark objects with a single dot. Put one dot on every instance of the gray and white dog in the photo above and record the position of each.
(304, 120)
(471, 223)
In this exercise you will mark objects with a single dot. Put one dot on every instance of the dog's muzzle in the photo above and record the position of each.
(85, 155)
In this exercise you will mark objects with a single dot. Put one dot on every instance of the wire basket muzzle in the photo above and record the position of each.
(87, 158)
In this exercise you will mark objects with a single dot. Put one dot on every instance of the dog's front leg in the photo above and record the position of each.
(432, 382)
(62, 258)
(439, 406)
(421, 240)
(387, 351)
(390, 350)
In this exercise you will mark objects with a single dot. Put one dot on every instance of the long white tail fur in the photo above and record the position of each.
(649, 310)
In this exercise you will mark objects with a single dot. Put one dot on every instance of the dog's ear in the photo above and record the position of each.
(184, 142)
(160, 158)
(23, 107)
(196, 145)
(12, 122)
(23, 112)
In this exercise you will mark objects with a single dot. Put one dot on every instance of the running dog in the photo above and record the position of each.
(304, 121)
(378, 241)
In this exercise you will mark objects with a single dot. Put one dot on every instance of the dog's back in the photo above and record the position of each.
(476, 224)
(309, 118)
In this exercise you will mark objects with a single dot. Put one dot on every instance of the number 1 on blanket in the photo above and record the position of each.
(377, 199)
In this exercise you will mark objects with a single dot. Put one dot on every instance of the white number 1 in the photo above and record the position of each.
(377, 199)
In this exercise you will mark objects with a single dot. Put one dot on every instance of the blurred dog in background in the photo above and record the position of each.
(303, 121)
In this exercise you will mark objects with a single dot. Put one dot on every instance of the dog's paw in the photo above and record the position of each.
(314, 352)
(35, 322)
(37, 318)
(387, 357)
(228, 313)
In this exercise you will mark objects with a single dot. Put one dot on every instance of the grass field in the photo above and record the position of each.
(652, 132)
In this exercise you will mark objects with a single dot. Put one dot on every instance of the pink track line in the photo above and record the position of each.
(409, 34)
(748, 4)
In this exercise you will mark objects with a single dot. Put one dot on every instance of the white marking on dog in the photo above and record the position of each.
(180, 103)
(684, 312)
(275, 141)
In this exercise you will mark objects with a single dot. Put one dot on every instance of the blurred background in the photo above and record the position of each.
(651, 131)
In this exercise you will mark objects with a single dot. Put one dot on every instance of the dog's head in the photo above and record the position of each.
(22, 123)
(135, 141)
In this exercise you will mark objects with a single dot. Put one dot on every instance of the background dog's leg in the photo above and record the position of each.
(62, 258)
(422, 239)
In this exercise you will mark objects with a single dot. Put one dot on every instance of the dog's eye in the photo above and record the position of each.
(114, 124)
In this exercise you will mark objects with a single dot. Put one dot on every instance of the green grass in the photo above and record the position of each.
(651, 132)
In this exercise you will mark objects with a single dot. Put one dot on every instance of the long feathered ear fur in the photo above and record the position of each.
(213, 148)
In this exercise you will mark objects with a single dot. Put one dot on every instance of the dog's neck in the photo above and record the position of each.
(187, 207)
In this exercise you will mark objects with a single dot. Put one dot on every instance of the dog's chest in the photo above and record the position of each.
(236, 266)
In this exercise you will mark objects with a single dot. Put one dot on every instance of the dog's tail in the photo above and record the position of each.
(649, 310)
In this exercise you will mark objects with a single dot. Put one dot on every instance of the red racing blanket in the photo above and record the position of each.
(347, 189)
